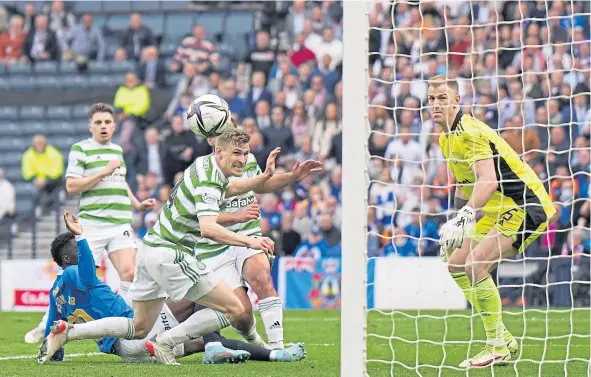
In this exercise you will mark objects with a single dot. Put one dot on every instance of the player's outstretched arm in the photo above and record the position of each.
(86, 265)
(242, 186)
(297, 173)
(136, 204)
(214, 231)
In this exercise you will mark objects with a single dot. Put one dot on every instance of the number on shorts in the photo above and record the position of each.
(506, 216)
(173, 193)
(79, 316)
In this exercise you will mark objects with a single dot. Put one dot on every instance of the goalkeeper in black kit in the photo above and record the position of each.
(494, 179)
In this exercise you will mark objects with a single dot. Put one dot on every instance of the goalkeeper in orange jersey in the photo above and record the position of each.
(491, 177)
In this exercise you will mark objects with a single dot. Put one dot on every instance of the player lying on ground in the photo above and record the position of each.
(96, 171)
(491, 177)
(239, 266)
(79, 296)
(165, 266)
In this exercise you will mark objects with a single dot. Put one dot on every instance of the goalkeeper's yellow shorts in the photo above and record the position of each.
(523, 227)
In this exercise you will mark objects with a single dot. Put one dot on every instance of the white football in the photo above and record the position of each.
(208, 115)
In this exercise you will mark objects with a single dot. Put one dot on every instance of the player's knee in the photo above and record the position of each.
(262, 284)
(234, 311)
(126, 273)
(473, 269)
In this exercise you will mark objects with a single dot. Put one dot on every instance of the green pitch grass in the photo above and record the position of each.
(394, 339)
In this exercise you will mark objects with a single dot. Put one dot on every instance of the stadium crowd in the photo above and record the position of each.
(523, 67)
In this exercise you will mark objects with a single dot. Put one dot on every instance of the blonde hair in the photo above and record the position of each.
(448, 80)
(234, 136)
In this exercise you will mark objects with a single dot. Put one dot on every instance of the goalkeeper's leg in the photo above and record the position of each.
(480, 262)
(457, 269)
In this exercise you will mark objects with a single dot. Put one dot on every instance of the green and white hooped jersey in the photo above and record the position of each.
(107, 203)
(207, 248)
(200, 192)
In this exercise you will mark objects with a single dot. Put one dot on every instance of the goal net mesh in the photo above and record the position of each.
(523, 68)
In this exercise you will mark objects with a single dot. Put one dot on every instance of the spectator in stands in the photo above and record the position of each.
(401, 245)
(325, 130)
(154, 152)
(136, 37)
(236, 104)
(61, 22)
(258, 147)
(257, 93)
(195, 49)
(262, 56)
(329, 231)
(302, 222)
(43, 165)
(331, 47)
(296, 18)
(289, 239)
(151, 69)
(522, 140)
(277, 135)
(183, 86)
(181, 148)
(300, 123)
(87, 41)
(269, 204)
(120, 55)
(262, 115)
(12, 40)
(314, 246)
(132, 98)
(41, 44)
(300, 53)
(8, 195)
(29, 15)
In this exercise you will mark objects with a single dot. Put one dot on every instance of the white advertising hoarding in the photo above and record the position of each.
(415, 283)
(25, 283)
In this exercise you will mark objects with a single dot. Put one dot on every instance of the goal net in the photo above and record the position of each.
(523, 68)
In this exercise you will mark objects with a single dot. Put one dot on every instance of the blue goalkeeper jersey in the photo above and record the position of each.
(79, 296)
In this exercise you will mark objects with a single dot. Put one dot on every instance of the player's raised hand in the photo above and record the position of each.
(72, 224)
(251, 212)
(263, 243)
(301, 171)
(112, 166)
(270, 169)
(147, 204)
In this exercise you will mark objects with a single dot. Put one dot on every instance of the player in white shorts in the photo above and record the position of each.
(165, 266)
(239, 265)
(96, 171)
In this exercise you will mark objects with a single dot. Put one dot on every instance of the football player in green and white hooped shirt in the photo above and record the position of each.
(165, 265)
(238, 265)
(96, 170)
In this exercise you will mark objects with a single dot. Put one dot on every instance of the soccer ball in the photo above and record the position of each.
(208, 115)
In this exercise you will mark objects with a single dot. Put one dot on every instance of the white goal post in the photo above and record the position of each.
(355, 185)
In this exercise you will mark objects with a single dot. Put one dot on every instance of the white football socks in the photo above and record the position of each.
(199, 323)
(110, 327)
(123, 290)
(43, 322)
(271, 312)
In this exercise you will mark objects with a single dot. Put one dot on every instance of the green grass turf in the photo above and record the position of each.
(319, 330)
